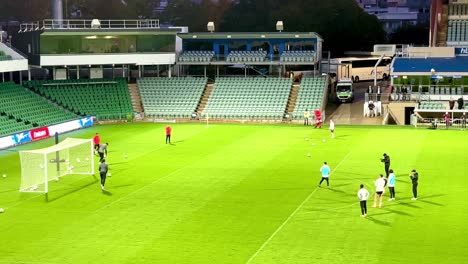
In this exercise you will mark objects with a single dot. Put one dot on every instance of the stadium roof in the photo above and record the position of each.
(423, 66)
(249, 35)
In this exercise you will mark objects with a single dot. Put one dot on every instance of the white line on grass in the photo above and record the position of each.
(137, 190)
(155, 181)
(291, 216)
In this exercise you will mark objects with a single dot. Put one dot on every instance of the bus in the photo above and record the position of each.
(358, 69)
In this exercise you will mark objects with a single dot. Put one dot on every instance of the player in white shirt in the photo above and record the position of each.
(363, 195)
(332, 128)
(380, 184)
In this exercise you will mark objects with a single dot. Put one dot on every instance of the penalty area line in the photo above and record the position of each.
(291, 216)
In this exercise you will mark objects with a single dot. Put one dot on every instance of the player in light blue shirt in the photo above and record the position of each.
(325, 170)
(391, 184)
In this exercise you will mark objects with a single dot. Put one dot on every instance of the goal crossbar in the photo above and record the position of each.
(68, 142)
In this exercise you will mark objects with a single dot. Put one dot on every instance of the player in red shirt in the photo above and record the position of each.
(447, 120)
(168, 134)
(318, 118)
(96, 141)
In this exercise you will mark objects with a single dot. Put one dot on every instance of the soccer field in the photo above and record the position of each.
(244, 194)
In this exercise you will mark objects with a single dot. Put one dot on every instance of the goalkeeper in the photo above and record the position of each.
(103, 168)
(103, 151)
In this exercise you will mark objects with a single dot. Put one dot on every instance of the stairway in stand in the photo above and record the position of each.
(292, 99)
(135, 97)
(204, 99)
(443, 28)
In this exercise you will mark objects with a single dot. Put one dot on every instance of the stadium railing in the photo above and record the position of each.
(196, 56)
(298, 56)
(246, 56)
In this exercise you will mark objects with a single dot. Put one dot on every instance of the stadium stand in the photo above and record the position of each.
(458, 10)
(196, 56)
(445, 90)
(249, 98)
(27, 109)
(432, 106)
(103, 98)
(310, 96)
(457, 31)
(298, 56)
(246, 56)
(3, 56)
(171, 97)
(458, 23)
(10, 125)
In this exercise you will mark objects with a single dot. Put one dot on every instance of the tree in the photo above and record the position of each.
(342, 23)
(109, 9)
(252, 16)
(195, 15)
(25, 10)
(411, 34)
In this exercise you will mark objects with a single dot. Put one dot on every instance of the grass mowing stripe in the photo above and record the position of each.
(144, 187)
(39, 194)
(291, 215)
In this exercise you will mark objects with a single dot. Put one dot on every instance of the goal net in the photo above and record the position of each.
(39, 166)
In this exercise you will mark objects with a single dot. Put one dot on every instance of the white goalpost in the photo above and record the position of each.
(39, 166)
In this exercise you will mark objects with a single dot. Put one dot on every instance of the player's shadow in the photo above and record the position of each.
(403, 181)
(285, 189)
(434, 195)
(341, 137)
(353, 173)
(335, 190)
(340, 185)
(377, 221)
(423, 199)
(178, 141)
(106, 192)
(121, 186)
(432, 203)
(410, 204)
(73, 190)
(117, 163)
(397, 212)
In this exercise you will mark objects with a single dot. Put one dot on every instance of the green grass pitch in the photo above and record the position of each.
(244, 194)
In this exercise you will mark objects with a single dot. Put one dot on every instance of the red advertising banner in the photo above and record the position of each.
(39, 133)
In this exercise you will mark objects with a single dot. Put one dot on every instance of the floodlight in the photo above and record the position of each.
(210, 26)
(95, 23)
(279, 26)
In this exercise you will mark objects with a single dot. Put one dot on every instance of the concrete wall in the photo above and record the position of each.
(107, 59)
(18, 62)
(397, 110)
(434, 52)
